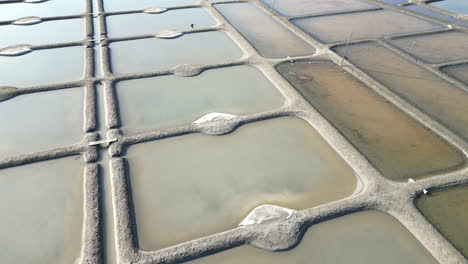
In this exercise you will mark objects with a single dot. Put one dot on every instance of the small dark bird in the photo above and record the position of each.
(192, 25)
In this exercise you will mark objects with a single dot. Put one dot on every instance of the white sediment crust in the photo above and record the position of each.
(214, 117)
(265, 213)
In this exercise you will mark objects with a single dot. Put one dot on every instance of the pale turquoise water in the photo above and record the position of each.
(41, 67)
(41, 121)
(359, 238)
(169, 101)
(454, 6)
(200, 48)
(195, 185)
(143, 24)
(42, 212)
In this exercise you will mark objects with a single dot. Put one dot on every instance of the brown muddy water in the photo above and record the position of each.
(447, 210)
(361, 238)
(306, 7)
(435, 48)
(42, 212)
(277, 41)
(200, 48)
(422, 88)
(405, 149)
(170, 101)
(41, 121)
(338, 28)
(191, 186)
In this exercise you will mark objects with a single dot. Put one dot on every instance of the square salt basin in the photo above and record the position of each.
(41, 121)
(447, 210)
(42, 67)
(195, 185)
(459, 72)
(170, 101)
(49, 8)
(293, 8)
(47, 32)
(42, 209)
(454, 6)
(443, 101)
(407, 150)
(147, 24)
(267, 35)
(437, 47)
(122, 5)
(360, 238)
(435, 14)
(363, 25)
(197, 48)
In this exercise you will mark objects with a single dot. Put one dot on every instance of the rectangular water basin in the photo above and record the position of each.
(170, 101)
(293, 8)
(147, 24)
(447, 210)
(49, 8)
(41, 121)
(41, 67)
(454, 6)
(268, 36)
(47, 32)
(195, 185)
(427, 91)
(435, 48)
(119, 5)
(360, 238)
(406, 150)
(198, 48)
(363, 25)
(459, 72)
(42, 209)
(435, 14)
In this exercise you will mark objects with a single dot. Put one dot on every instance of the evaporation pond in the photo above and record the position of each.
(360, 238)
(170, 101)
(267, 35)
(424, 89)
(41, 67)
(448, 211)
(197, 48)
(454, 6)
(42, 212)
(50, 8)
(307, 7)
(437, 47)
(406, 150)
(47, 32)
(337, 28)
(41, 121)
(435, 14)
(147, 24)
(195, 185)
(114, 5)
(459, 72)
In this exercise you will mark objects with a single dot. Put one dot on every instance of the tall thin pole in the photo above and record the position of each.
(412, 46)
(346, 49)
